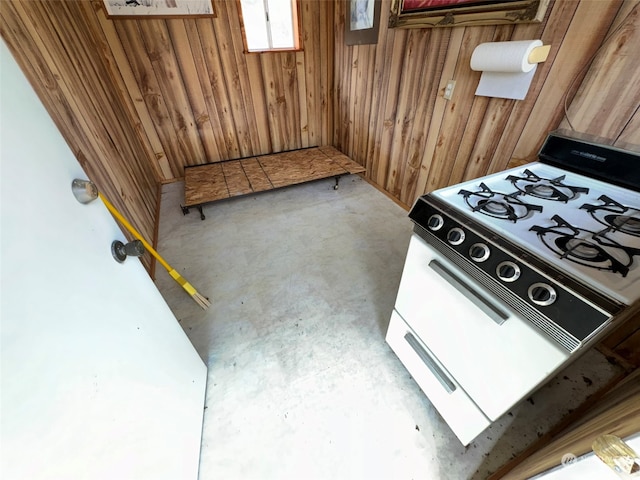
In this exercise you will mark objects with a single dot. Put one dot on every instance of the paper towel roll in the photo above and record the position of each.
(505, 67)
(509, 57)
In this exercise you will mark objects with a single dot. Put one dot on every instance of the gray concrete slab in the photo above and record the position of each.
(302, 385)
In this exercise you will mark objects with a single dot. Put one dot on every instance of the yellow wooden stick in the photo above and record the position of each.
(200, 300)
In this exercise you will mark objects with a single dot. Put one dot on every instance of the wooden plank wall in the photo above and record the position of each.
(205, 100)
(193, 94)
(138, 100)
(60, 48)
(390, 114)
(607, 104)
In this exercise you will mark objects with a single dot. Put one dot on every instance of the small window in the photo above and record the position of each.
(270, 25)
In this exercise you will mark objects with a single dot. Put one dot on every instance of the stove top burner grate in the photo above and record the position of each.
(498, 205)
(615, 216)
(546, 188)
(585, 247)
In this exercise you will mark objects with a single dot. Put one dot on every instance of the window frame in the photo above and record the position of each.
(295, 4)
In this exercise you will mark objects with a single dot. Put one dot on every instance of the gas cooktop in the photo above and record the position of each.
(583, 226)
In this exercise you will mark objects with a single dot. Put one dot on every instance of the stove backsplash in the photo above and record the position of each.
(588, 157)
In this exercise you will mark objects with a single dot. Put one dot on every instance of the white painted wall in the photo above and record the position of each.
(98, 379)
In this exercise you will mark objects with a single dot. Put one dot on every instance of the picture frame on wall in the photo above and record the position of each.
(362, 22)
(454, 13)
(159, 8)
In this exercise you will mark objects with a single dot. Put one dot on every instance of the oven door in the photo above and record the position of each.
(482, 346)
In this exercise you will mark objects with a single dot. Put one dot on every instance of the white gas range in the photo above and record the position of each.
(510, 277)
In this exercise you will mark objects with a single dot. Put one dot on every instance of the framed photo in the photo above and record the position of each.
(453, 13)
(362, 22)
(159, 8)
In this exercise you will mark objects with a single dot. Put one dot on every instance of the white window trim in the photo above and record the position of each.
(295, 25)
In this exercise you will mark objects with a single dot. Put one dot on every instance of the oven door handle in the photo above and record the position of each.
(447, 384)
(495, 313)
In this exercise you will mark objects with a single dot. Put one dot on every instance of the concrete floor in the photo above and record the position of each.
(302, 385)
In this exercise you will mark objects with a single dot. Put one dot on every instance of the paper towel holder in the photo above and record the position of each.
(507, 67)
(539, 54)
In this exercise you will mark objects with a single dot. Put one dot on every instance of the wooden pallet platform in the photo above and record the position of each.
(231, 178)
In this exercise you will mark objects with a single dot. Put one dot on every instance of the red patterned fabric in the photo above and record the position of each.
(422, 4)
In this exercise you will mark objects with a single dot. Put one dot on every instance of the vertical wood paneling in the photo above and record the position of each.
(138, 100)
(142, 68)
(193, 94)
(231, 76)
(214, 86)
(154, 35)
(428, 88)
(303, 123)
(552, 30)
(468, 136)
(611, 85)
(410, 88)
(292, 100)
(255, 73)
(570, 62)
(356, 98)
(252, 102)
(60, 47)
(324, 98)
(453, 133)
(274, 98)
(307, 61)
(113, 52)
(630, 136)
(386, 111)
(449, 53)
(188, 54)
(368, 72)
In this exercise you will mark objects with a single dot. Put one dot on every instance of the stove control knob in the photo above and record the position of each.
(542, 294)
(479, 252)
(508, 271)
(435, 222)
(455, 236)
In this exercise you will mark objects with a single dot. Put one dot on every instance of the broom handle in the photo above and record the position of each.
(134, 232)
